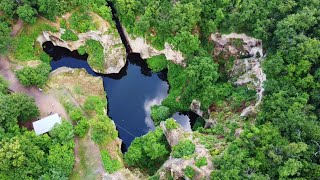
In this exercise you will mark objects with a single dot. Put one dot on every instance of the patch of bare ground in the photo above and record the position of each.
(46, 102)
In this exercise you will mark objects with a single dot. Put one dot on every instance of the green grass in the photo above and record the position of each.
(96, 56)
(81, 22)
(25, 46)
(110, 165)
(69, 35)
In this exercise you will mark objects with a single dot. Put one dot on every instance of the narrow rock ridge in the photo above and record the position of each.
(114, 52)
(141, 46)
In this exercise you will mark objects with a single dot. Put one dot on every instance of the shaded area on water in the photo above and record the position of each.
(130, 93)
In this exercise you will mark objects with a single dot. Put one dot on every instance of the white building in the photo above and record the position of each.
(46, 124)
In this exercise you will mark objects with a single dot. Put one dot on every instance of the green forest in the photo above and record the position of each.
(281, 140)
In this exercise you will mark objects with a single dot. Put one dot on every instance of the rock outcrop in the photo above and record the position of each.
(114, 50)
(176, 166)
(140, 45)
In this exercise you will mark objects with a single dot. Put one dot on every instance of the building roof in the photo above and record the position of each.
(46, 124)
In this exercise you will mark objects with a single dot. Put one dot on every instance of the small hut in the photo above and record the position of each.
(46, 124)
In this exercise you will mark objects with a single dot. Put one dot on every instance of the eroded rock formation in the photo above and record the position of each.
(113, 49)
(176, 166)
(140, 45)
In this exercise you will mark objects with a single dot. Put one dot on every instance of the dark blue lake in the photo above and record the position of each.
(130, 93)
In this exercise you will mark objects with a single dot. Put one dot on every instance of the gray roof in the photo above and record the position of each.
(46, 124)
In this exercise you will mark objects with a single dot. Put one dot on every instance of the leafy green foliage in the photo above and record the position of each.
(37, 76)
(5, 39)
(159, 113)
(103, 130)
(171, 124)
(95, 104)
(25, 155)
(69, 35)
(81, 22)
(82, 127)
(202, 161)
(148, 152)
(26, 105)
(110, 165)
(189, 172)
(96, 55)
(27, 13)
(3, 85)
(25, 45)
(157, 63)
(184, 148)
(62, 133)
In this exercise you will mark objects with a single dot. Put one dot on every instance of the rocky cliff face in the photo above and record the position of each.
(247, 67)
(176, 166)
(114, 50)
(247, 70)
(140, 45)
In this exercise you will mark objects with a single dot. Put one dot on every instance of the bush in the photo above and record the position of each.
(183, 149)
(44, 57)
(82, 127)
(69, 35)
(157, 63)
(81, 22)
(189, 172)
(38, 76)
(95, 104)
(159, 113)
(26, 107)
(3, 85)
(76, 114)
(103, 130)
(201, 162)
(82, 50)
(171, 124)
(96, 55)
(62, 133)
(148, 152)
(109, 164)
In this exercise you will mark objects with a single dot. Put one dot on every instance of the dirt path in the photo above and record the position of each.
(47, 103)
(16, 28)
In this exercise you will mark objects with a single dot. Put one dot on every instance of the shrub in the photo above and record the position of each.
(157, 63)
(63, 24)
(96, 56)
(201, 162)
(69, 35)
(82, 127)
(159, 113)
(76, 114)
(103, 130)
(189, 172)
(62, 133)
(30, 76)
(109, 164)
(183, 149)
(148, 152)
(171, 124)
(82, 50)
(81, 22)
(44, 57)
(95, 104)
(3, 85)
